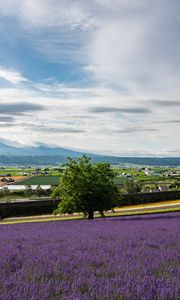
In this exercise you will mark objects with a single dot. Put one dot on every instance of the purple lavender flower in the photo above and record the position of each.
(114, 258)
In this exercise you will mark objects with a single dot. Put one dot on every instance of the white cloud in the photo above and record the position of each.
(136, 50)
(47, 13)
(129, 49)
(12, 76)
(116, 57)
(55, 29)
(68, 112)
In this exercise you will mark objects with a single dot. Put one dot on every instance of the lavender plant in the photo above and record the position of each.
(114, 258)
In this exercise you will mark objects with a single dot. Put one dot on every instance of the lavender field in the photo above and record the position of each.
(114, 258)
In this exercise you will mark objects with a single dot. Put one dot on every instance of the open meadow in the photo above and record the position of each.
(115, 258)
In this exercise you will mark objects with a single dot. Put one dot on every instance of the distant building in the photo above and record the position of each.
(7, 180)
(126, 175)
(163, 188)
(154, 191)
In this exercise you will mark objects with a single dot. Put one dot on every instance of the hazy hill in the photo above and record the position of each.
(34, 151)
(43, 155)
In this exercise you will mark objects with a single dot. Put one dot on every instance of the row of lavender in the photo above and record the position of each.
(116, 258)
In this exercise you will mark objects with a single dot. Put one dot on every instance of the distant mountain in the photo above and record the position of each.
(42, 155)
(34, 151)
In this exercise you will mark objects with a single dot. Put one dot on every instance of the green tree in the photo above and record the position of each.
(131, 186)
(177, 184)
(5, 192)
(39, 191)
(1, 194)
(28, 192)
(86, 187)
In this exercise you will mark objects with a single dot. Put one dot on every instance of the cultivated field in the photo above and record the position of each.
(38, 180)
(107, 259)
(33, 175)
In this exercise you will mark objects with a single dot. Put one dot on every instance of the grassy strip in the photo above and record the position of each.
(143, 212)
(115, 214)
(144, 205)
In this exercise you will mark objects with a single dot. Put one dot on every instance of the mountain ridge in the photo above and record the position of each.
(44, 155)
(37, 150)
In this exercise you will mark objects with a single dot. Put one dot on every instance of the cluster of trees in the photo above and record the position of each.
(28, 192)
(175, 185)
(4, 192)
(131, 186)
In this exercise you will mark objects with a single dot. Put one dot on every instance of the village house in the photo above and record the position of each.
(7, 179)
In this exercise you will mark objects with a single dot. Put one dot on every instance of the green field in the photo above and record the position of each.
(42, 180)
(54, 180)
(12, 171)
(15, 171)
(51, 175)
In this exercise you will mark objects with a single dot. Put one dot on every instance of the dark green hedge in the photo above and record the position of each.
(140, 198)
(28, 208)
(38, 207)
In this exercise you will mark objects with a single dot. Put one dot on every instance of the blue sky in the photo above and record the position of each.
(99, 75)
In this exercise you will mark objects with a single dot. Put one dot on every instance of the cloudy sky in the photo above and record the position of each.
(95, 75)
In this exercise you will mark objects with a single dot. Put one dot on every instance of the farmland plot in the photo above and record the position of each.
(40, 180)
(114, 258)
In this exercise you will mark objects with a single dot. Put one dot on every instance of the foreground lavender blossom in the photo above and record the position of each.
(117, 258)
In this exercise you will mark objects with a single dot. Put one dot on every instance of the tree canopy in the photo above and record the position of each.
(131, 186)
(86, 187)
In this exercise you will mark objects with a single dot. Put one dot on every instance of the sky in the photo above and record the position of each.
(101, 76)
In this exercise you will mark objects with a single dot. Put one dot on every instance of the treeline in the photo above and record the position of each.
(32, 160)
(57, 159)
(28, 192)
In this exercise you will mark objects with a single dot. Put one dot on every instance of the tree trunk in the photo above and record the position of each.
(102, 214)
(90, 215)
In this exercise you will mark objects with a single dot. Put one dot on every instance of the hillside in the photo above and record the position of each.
(43, 155)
